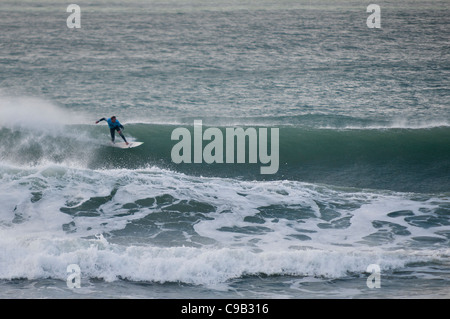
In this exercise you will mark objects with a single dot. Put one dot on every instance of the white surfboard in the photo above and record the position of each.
(130, 144)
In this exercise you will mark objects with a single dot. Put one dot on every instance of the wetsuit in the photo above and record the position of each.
(113, 127)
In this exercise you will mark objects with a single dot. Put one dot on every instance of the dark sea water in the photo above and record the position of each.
(364, 149)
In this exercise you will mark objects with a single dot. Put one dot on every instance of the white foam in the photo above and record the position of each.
(33, 113)
(45, 134)
(43, 257)
(37, 246)
(396, 124)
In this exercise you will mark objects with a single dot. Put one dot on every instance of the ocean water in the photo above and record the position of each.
(364, 150)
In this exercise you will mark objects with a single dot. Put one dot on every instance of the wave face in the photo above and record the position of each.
(400, 159)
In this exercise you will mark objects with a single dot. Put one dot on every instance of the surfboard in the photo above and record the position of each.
(130, 144)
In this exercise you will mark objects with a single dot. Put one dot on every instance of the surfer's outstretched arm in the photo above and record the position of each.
(102, 119)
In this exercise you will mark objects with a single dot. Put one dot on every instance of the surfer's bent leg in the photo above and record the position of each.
(122, 136)
(113, 133)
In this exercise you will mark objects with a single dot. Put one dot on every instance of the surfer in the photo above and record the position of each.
(114, 125)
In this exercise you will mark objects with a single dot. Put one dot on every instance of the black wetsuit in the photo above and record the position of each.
(113, 127)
